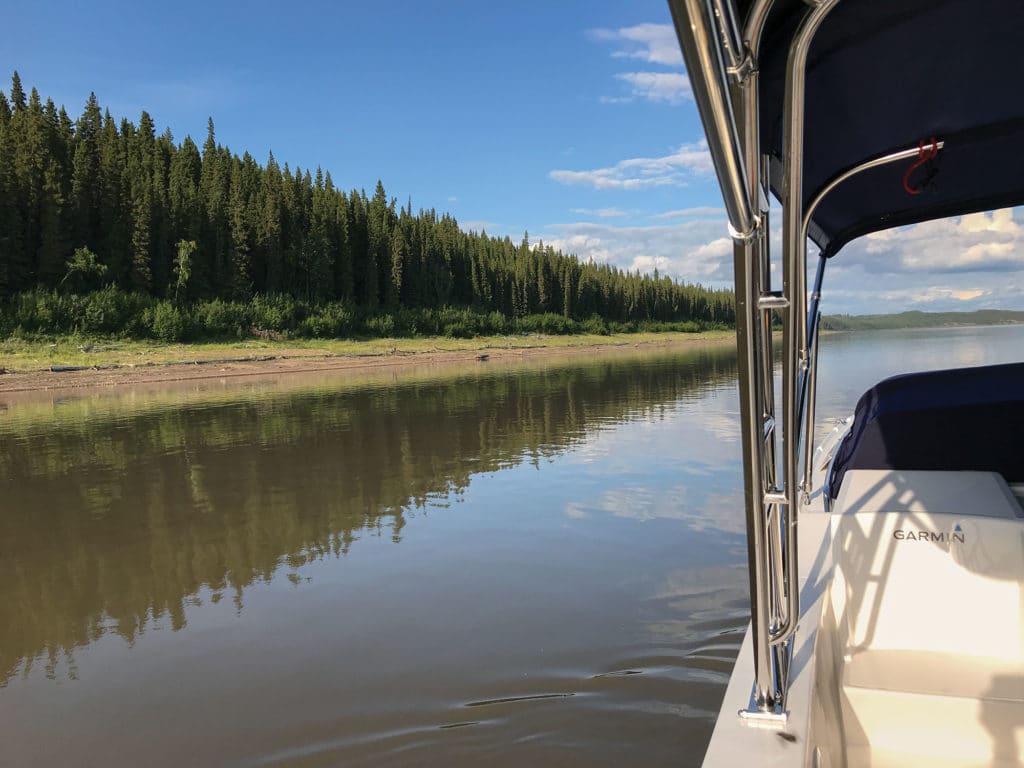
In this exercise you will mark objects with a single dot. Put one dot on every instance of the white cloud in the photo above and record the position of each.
(716, 249)
(998, 221)
(667, 87)
(977, 242)
(688, 250)
(641, 172)
(686, 213)
(961, 263)
(853, 294)
(933, 293)
(654, 43)
(966, 263)
(604, 213)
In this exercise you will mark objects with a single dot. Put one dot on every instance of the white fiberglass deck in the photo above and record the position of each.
(910, 649)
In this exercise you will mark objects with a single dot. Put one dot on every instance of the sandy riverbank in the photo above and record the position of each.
(278, 360)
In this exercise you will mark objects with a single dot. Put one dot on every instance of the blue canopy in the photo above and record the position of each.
(884, 75)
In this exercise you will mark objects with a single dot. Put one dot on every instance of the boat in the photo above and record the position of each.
(886, 559)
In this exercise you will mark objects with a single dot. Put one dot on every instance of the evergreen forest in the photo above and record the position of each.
(108, 228)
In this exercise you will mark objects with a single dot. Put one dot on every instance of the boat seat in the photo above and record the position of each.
(928, 599)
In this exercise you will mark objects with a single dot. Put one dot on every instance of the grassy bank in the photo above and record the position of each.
(42, 354)
(112, 328)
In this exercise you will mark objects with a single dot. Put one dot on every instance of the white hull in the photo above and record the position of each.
(910, 649)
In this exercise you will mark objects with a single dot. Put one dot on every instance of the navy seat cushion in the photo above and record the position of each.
(960, 419)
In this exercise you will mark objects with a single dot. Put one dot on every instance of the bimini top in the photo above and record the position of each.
(884, 75)
(962, 419)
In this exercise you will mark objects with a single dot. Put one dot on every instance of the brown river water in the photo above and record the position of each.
(538, 564)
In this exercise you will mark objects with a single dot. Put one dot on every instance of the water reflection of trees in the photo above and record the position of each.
(114, 519)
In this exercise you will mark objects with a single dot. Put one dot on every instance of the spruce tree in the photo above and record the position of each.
(269, 228)
(115, 233)
(11, 226)
(398, 256)
(241, 282)
(17, 93)
(213, 273)
(54, 247)
(86, 183)
(141, 267)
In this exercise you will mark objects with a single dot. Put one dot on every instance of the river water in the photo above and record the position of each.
(501, 564)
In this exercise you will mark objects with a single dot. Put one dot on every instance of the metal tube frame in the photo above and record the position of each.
(794, 287)
(723, 69)
(768, 693)
(702, 51)
(809, 391)
(700, 36)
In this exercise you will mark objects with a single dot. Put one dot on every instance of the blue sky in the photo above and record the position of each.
(571, 120)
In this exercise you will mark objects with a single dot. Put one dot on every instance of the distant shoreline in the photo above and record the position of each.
(131, 363)
(916, 319)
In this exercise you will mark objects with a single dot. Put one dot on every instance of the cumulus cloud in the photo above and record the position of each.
(974, 243)
(851, 292)
(668, 87)
(716, 249)
(961, 263)
(998, 221)
(687, 250)
(642, 172)
(965, 263)
(653, 43)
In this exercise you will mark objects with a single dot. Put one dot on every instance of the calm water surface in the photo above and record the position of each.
(539, 564)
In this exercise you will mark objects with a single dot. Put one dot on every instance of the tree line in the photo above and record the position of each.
(93, 203)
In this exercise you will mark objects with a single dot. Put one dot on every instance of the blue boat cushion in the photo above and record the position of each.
(961, 419)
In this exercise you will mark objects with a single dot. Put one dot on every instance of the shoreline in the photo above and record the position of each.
(286, 360)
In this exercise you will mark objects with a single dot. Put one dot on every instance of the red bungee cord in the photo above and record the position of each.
(924, 154)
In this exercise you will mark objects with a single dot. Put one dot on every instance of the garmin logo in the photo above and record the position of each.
(942, 538)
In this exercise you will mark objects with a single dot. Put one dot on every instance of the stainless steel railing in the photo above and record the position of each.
(701, 39)
(814, 316)
(723, 70)
(722, 64)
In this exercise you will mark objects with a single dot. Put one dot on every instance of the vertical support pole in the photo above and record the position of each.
(811, 394)
(794, 287)
(812, 386)
(757, 398)
(751, 416)
(701, 43)
(695, 27)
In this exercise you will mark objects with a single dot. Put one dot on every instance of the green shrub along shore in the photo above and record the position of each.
(111, 312)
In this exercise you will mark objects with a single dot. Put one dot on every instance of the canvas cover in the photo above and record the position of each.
(960, 419)
(884, 75)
